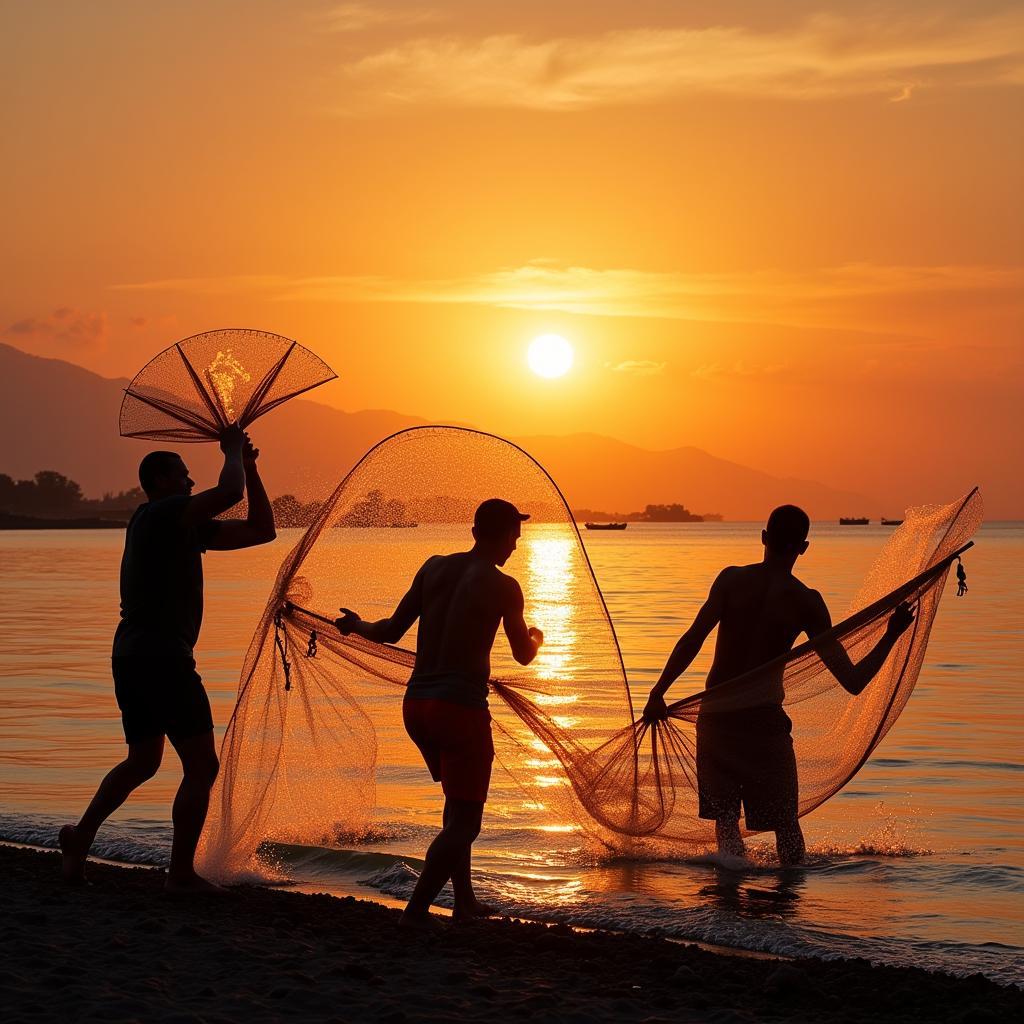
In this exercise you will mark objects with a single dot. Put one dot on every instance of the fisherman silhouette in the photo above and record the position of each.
(460, 600)
(158, 690)
(961, 579)
(745, 757)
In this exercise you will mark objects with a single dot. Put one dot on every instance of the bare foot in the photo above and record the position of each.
(73, 855)
(730, 860)
(193, 885)
(426, 923)
(474, 912)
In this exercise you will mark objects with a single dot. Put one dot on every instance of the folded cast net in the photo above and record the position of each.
(194, 389)
(300, 758)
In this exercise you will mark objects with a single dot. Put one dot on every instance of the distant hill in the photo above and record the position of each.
(56, 415)
(600, 472)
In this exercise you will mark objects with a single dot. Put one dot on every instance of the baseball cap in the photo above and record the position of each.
(495, 515)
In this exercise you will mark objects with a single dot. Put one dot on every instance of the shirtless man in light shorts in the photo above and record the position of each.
(745, 757)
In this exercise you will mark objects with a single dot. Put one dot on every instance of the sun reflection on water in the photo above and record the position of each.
(549, 585)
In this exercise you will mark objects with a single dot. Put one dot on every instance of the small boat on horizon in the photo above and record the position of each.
(606, 526)
(891, 522)
(854, 520)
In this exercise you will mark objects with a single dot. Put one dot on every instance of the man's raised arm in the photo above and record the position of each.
(396, 625)
(258, 526)
(209, 504)
(686, 649)
(853, 678)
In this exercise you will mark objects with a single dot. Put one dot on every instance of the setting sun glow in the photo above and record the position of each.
(549, 355)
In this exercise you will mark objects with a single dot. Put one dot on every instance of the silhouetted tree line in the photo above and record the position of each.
(372, 510)
(289, 511)
(52, 494)
(673, 513)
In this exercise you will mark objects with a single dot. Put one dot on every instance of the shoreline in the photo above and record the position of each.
(30, 523)
(120, 949)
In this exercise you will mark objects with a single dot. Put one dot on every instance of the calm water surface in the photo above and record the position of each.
(919, 860)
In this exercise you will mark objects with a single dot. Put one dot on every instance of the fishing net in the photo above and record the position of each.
(194, 389)
(300, 758)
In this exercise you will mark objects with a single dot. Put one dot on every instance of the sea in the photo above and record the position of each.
(918, 861)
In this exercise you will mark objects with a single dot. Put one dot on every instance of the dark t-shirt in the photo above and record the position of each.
(161, 582)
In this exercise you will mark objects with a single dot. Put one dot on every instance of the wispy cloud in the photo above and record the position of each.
(362, 17)
(65, 328)
(826, 56)
(223, 285)
(816, 297)
(637, 367)
(738, 369)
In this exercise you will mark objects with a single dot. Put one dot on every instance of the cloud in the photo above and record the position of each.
(637, 367)
(739, 369)
(362, 17)
(227, 284)
(64, 329)
(817, 297)
(825, 56)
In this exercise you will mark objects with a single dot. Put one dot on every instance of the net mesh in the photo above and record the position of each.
(194, 389)
(300, 756)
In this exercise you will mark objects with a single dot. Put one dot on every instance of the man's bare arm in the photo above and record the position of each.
(524, 640)
(854, 677)
(258, 526)
(687, 648)
(230, 487)
(396, 625)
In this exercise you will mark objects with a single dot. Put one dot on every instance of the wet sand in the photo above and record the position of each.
(121, 950)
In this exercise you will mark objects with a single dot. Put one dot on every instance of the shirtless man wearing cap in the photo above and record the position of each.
(460, 600)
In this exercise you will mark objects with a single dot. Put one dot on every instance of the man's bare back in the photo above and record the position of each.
(762, 612)
(464, 599)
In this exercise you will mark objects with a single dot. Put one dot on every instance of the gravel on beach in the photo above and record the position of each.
(120, 949)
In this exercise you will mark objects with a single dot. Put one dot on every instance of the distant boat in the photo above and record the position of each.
(853, 521)
(606, 526)
(891, 522)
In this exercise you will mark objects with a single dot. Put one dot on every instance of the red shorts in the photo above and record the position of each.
(455, 741)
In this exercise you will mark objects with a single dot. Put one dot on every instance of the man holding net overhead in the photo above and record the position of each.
(745, 754)
(460, 600)
(158, 690)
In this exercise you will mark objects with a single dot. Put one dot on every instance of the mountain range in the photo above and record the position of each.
(57, 415)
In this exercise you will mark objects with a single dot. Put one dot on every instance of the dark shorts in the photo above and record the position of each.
(455, 741)
(162, 697)
(750, 765)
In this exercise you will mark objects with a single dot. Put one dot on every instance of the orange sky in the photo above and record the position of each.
(790, 234)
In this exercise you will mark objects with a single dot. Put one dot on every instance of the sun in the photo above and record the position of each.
(549, 355)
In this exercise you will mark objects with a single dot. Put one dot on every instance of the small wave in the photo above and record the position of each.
(890, 850)
(382, 832)
(399, 880)
(324, 860)
(141, 843)
(769, 934)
